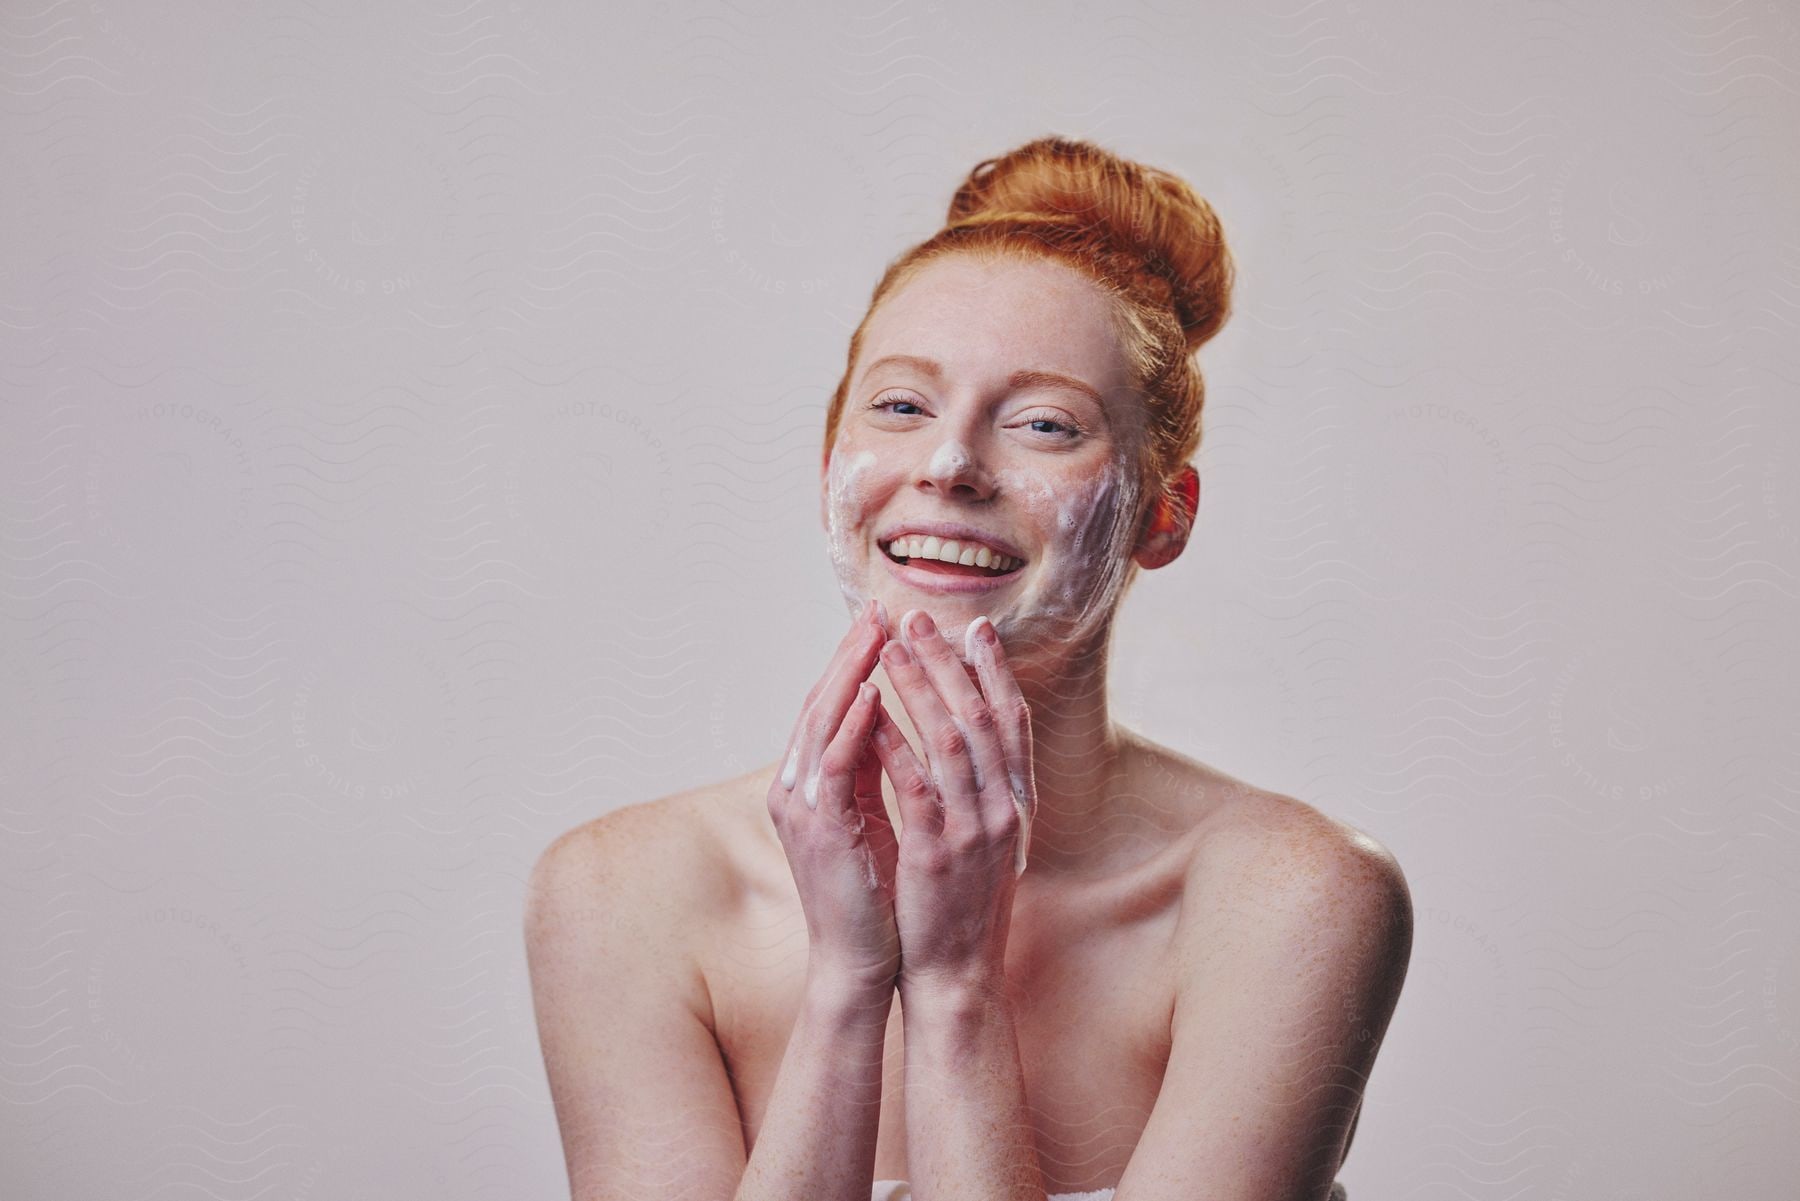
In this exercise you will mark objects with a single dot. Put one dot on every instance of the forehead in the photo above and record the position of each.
(985, 319)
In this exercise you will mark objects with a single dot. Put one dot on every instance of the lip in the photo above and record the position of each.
(956, 585)
(948, 530)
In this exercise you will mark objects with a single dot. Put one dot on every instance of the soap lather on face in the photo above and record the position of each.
(950, 459)
(1067, 502)
(845, 486)
(1083, 567)
(1069, 585)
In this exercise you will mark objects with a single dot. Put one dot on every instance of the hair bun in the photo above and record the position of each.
(1168, 235)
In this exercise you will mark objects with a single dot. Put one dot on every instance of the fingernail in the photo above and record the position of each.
(918, 623)
(880, 614)
(980, 632)
(897, 654)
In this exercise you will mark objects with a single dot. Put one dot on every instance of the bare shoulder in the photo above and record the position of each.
(1272, 860)
(654, 871)
(681, 843)
(605, 858)
(1265, 821)
(1245, 845)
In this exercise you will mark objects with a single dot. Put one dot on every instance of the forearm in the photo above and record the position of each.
(968, 1133)
(817, 1141)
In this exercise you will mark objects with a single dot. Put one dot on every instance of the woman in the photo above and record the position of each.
(1116, 967)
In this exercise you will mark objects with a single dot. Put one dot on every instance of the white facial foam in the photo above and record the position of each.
(1076, 579)
(949, 459)
(846, 515)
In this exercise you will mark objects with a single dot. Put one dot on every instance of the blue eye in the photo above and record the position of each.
(1066, 431)
(888, 402)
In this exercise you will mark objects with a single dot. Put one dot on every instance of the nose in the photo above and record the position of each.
(957, 469)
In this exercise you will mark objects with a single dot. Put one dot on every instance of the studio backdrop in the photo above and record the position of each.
(411, 439)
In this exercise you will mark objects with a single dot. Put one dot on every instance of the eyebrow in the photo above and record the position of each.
(1023, 378)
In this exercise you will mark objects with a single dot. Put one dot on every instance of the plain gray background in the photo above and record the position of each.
(411, 437)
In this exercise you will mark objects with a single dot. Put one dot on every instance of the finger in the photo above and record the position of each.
(834, 786)
(968, 709)
(847, 645)
(867, 783)
(914, 794)
(830, 698)
(870, 615)
(941, 745)
(1013, 721)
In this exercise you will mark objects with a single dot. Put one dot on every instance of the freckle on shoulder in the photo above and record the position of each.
(678, 841)
(711, 836)
(1280, 836)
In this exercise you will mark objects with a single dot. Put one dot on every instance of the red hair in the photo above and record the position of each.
(1146, 238)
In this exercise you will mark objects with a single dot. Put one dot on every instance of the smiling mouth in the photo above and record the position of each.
(944, 567)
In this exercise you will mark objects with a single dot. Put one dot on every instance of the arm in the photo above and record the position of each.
(967, 831)
(643, 1099)
(1278, 1018)
(968, 1132)
(817, 1142)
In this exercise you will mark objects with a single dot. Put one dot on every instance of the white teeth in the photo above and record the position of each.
(968, 554)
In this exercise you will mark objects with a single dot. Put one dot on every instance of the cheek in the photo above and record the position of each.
(1086, 517)
(1089, 516)
(1034, 492)
(848, 487)
(1080, 517)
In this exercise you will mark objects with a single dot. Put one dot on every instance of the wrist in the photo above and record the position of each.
(960, 998)
(847, 990)
(950, 1026)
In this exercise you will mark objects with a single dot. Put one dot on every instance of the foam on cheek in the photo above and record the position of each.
(1084, 567)
(1102, 524)
(1039, 499)
(846, 512)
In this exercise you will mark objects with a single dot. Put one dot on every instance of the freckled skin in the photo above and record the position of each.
(1072, 507)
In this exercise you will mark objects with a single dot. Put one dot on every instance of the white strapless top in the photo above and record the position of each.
(900, 1190)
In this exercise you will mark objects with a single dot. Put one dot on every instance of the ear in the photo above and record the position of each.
(1171, 520)
(824, 491)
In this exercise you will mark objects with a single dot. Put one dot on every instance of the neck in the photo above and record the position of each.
(1077, 752)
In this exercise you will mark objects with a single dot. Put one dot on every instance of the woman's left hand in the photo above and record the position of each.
(966, 817)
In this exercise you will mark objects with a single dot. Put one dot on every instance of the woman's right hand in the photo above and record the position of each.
(827, 808)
